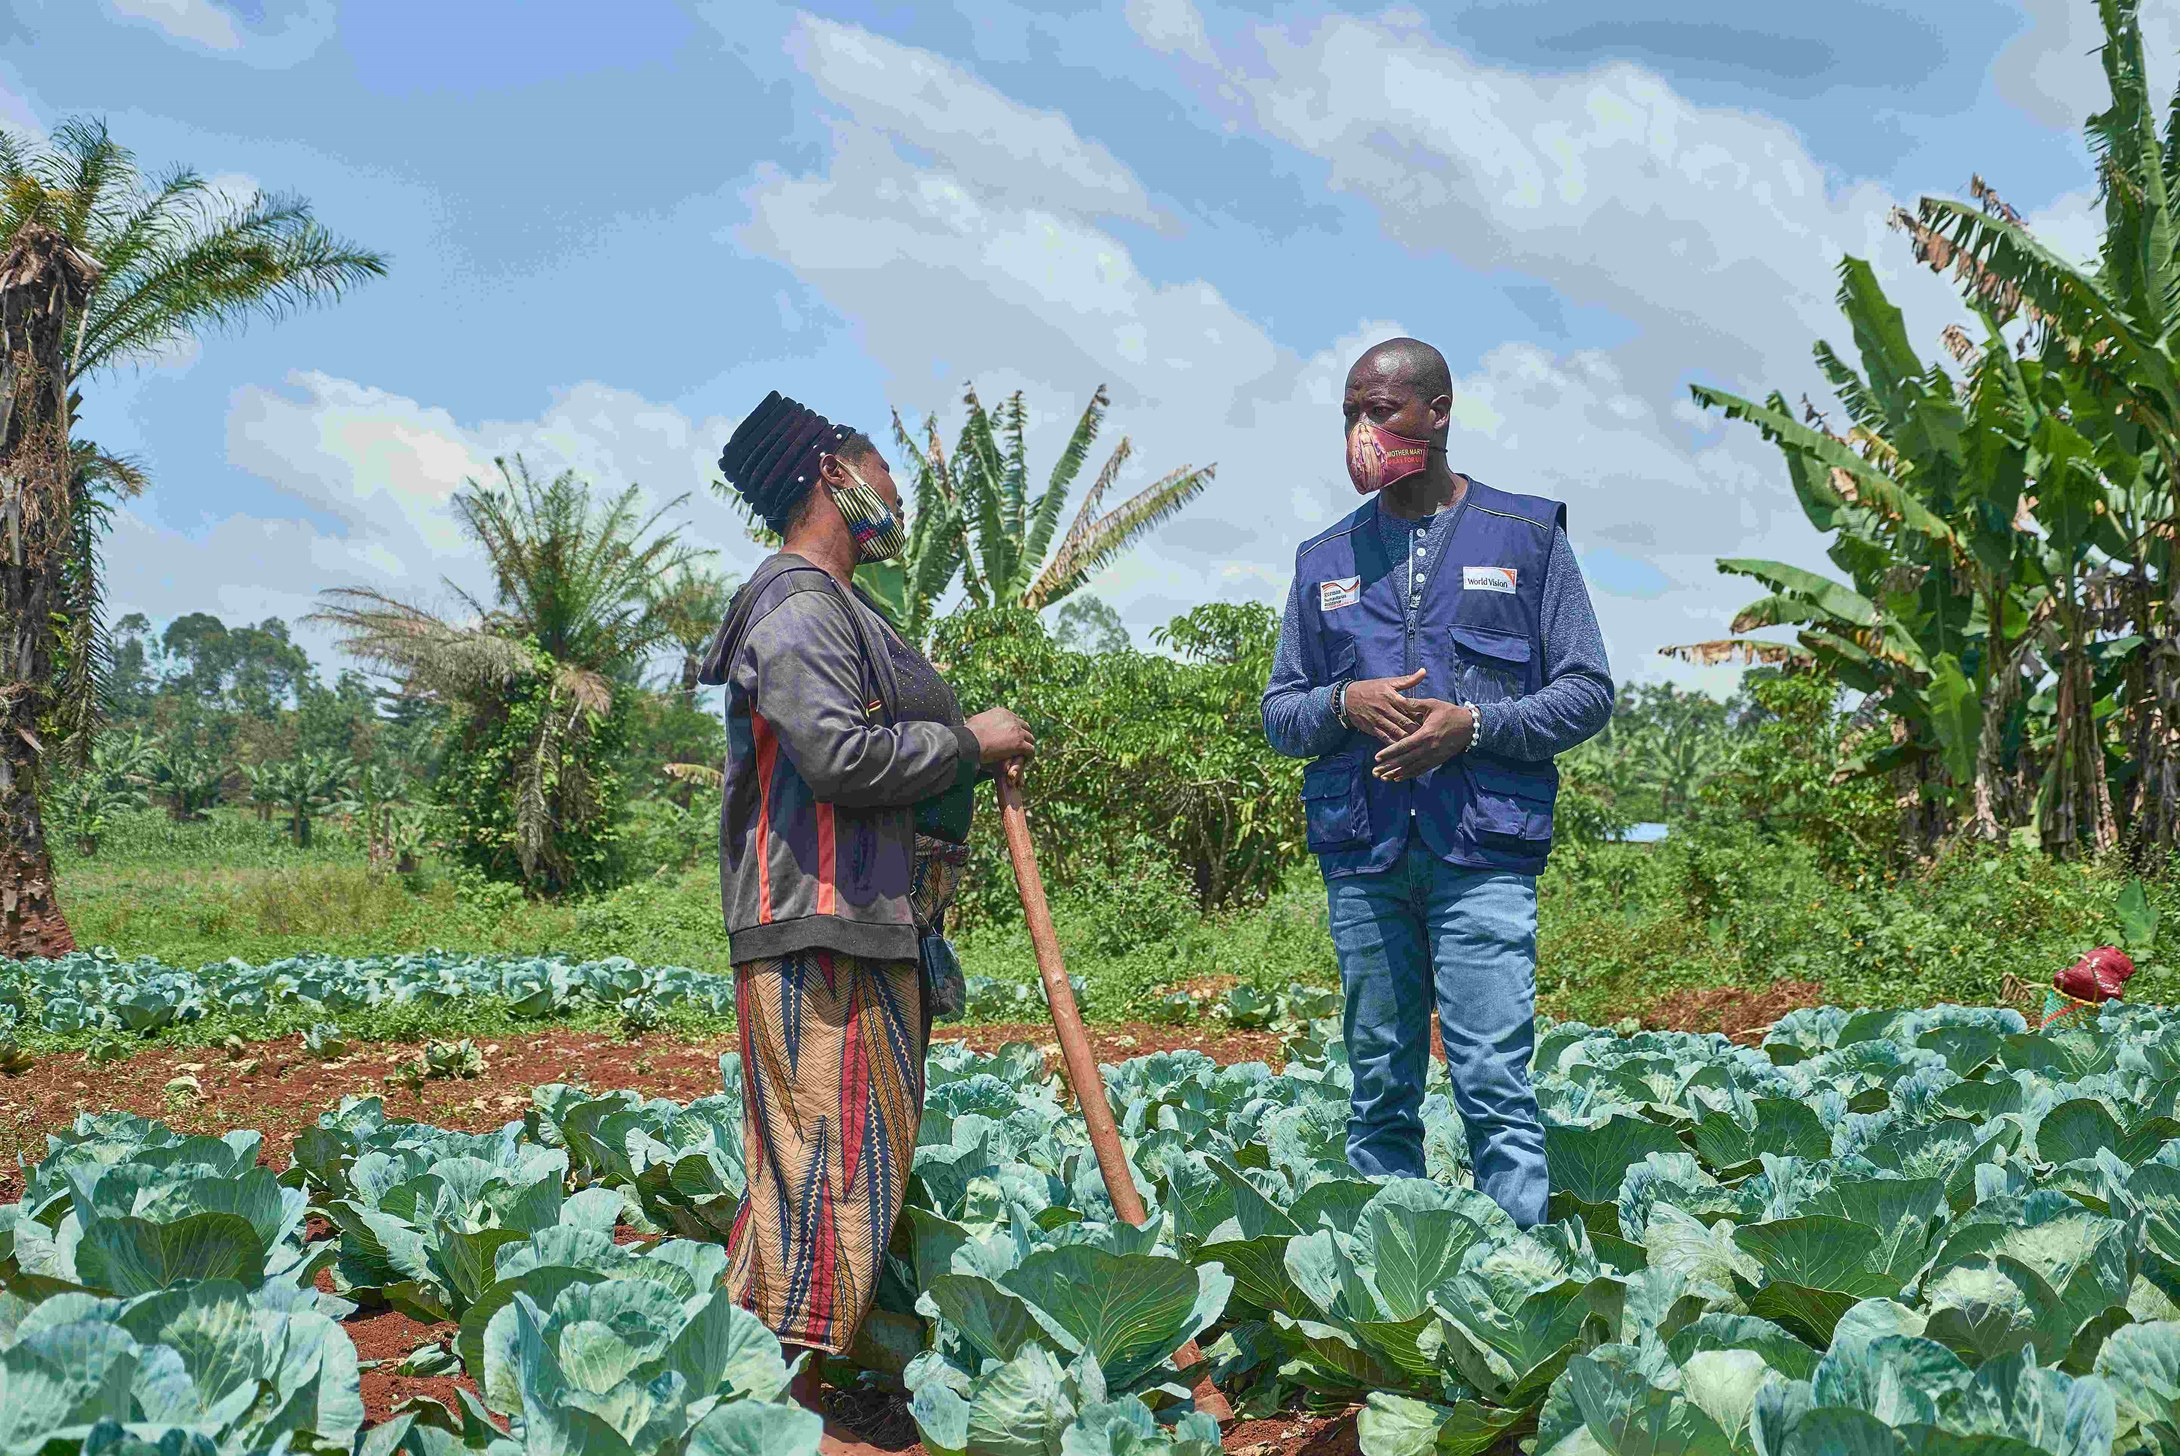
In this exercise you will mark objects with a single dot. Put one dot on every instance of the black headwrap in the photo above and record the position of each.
(772, 460)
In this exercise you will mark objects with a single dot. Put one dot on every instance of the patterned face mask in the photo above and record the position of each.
(878, 529)
(1376, 456)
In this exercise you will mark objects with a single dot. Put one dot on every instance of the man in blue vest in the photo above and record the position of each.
(1439, 648)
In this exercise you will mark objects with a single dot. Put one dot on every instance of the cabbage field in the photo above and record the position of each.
(1929, 1231)
(88, 993)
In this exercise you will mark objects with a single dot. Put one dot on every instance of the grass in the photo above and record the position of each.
(1621, 927)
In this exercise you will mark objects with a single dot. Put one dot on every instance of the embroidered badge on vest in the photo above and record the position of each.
(1342, 592)
(1488, 578)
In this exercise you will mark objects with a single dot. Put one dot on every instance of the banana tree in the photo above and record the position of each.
(191, 778)
(2110, 327)
(374, 792)
(1919, 496)
(306, 786)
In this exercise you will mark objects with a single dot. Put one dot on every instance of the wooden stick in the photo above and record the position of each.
(1082, 1067)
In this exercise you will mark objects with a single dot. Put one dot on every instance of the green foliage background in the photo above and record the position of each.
(486, 750)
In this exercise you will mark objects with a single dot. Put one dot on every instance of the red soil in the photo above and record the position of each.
(1733, 1011)
(386, 1337)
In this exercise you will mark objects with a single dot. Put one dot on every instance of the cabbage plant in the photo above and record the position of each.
(421, 1231)
(210, 1366)
(621, 1367)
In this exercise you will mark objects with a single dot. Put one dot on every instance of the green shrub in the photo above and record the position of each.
(568, 806)
(1783, 779)
(1137, 749)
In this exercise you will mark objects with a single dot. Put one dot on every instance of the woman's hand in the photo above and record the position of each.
(1001, 735)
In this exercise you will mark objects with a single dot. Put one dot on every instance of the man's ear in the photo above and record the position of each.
(1441, 414)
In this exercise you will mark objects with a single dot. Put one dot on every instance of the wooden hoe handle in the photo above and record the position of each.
(1082, 1067)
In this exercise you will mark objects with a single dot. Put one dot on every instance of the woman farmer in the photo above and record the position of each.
(849, 775)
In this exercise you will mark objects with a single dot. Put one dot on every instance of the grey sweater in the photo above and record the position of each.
(817, 825)
(1574, 703)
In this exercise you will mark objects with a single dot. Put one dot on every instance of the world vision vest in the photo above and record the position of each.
(1476, 636)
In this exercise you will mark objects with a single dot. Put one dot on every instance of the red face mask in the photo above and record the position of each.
(1376, 457)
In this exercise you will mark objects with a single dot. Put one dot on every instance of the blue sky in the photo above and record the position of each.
(613, 228)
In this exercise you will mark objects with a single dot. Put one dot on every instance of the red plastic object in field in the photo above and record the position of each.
(2097, 976)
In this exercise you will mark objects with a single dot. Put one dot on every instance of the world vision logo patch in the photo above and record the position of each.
(1488, 578)
(1342, 591)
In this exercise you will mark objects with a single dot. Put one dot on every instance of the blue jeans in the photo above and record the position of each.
(1425, 931)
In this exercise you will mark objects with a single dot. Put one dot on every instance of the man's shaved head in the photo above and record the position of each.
(1403, 385)
(1407, 361)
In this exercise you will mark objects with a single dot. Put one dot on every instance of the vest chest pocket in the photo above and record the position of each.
(1333, 805)
(1489, 666)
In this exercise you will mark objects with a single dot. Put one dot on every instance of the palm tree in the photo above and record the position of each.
(978, 506)
(98, 268)
(532, 672)
(692, 604)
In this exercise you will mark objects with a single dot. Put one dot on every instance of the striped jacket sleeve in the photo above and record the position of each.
(809, 689)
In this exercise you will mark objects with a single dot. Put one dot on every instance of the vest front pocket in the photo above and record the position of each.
(1490, 666)
(1508, 807)
(1333, 806)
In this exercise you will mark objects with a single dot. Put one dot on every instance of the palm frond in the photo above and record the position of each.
(1115, 532)
(590, 694)
(703, 775)
(989, 570)
(83, 659)
(1045, 514)
(534, 784)
(1093, 503)
(185, 261)
(1014, 424)
(430, 655)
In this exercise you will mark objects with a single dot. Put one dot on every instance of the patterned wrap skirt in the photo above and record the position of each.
(833, 1083)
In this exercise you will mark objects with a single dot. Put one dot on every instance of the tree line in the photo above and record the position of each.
(2001, 518)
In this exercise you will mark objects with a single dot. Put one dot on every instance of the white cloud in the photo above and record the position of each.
(1028, 296)
(2071, 224)
(962, 233)
(363, 478)
(197, 21)
(291, 30)
(1175, 27)
(1712, 230)
(985, 139)
(2052, 69)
